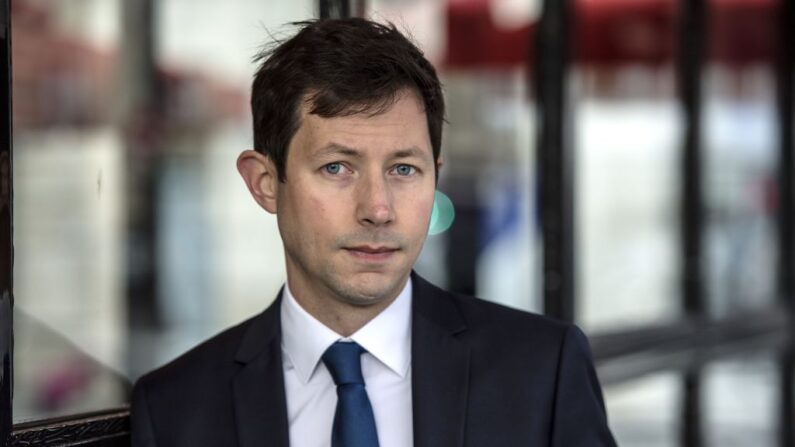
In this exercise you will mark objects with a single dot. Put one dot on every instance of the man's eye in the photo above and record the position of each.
(404, 170)
(333, 168)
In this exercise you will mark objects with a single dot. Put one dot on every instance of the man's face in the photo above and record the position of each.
(354, 211)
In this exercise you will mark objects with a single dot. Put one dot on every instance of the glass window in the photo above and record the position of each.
(741, 401)
(741, 156)
(70, 324)
(627, 139)
(645, 412)
(86, 166)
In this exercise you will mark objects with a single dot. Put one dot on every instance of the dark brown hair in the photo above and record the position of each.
(342, 67)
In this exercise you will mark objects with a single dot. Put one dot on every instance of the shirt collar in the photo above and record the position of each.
(387, 337)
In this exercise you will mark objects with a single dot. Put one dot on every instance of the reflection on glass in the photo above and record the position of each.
(645, 412)
(82, 158)
(739, 403)
(741, 398)
(68, 211)
(627, 133)
(741, 156)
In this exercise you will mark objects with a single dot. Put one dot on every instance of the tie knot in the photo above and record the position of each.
(343, 360)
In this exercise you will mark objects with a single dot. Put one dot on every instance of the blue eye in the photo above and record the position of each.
(404, 170)
(333, 168)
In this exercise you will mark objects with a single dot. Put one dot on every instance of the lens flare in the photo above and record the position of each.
(443, 214)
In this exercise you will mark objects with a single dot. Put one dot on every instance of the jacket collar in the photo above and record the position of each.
(440, 367)
(258, 388)
(440, 373)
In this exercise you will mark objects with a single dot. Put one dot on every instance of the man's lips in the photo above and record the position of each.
(371, 252)
(372, 249)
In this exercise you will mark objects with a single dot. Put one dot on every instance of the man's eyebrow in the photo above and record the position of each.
(338, 149)
(409, 152)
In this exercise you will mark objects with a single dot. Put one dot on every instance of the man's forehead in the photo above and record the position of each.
(401, 130)
(326, 105)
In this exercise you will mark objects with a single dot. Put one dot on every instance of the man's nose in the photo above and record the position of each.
(375, 201)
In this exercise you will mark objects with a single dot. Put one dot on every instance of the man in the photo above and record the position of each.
(358, 350)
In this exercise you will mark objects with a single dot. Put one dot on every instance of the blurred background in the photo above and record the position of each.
(135, 239)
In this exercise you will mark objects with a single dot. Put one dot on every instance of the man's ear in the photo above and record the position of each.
(262, 180)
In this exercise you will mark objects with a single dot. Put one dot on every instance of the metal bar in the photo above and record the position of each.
(108, 428)
(692, 44)
(687, 345)
(785, 77)
(463, 237)
(141, 117)
(786, 405)
(691, 435)
(785, 85)
(6, 228)
(692, 41)
(555, 164)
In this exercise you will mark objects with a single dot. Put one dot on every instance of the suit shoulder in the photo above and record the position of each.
(497, 332)
(481, 315)
(210, 356)
(480, 312)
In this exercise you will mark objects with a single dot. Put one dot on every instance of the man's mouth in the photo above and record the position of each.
(372, 248)
(372, 252)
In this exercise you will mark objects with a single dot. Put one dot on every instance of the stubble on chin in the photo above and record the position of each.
(367, 287)
(334, 277)
(364, 289)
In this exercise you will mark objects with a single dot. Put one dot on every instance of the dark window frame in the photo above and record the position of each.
(6, 220)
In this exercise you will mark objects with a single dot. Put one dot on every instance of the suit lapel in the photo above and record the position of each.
(259, 398)
(440, 368)
(440, 374)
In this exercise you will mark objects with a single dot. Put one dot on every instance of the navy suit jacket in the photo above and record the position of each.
(483, 375)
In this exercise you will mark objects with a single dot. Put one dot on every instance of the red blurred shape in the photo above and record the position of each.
(615, 32)
(63, 80)
(475, 41)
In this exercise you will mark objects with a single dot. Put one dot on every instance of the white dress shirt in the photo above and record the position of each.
(386, 366)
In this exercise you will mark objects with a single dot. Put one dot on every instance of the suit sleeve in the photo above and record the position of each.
(579, 417)
(142, 432)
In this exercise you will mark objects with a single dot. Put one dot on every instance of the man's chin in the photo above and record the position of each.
(367, 289)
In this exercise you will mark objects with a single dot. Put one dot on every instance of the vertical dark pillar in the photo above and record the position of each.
(786, 404)
(554, 160)
(692, 45)
(338, 9)
(6, 225)
(463, 238)
(140, 117)
(692, 40)
(785, 82)
(785, 102)
(691, 410)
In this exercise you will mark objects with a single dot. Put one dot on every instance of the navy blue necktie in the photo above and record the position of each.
(354, 424)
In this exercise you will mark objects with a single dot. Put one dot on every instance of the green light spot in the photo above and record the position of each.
(443, 214)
